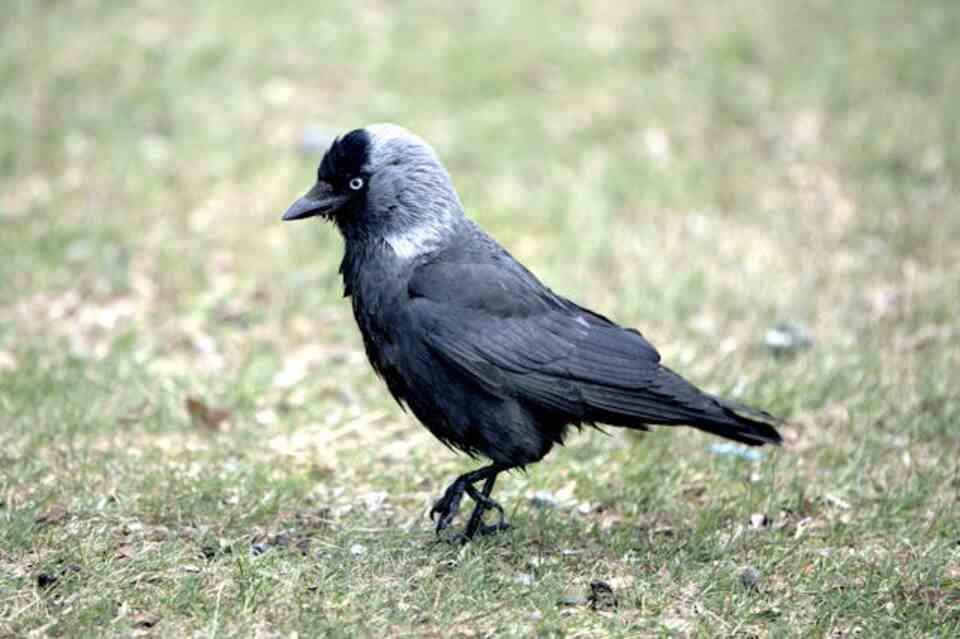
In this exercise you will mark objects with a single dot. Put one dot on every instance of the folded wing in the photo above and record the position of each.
(494, 323)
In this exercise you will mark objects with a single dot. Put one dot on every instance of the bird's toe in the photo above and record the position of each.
(490, 529)
(447, 507)
(485, 502)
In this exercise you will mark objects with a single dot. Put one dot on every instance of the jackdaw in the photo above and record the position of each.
(489, 359)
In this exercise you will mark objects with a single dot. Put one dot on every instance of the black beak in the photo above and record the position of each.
(320, 200)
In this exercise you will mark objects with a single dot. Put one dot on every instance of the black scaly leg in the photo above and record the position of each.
(484, 503)
(449, 504)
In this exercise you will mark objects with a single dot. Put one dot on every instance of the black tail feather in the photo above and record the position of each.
(746, 425)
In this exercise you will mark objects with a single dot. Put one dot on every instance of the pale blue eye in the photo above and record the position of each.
(356, 183)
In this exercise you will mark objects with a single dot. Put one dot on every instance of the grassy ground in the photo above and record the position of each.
(192, 442)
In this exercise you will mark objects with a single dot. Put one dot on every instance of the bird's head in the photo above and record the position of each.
(383, 182)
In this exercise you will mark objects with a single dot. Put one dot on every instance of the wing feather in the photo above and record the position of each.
(492, 321)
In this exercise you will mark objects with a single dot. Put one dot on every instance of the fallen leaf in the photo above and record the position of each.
(126, 551)
(205, 416)
(53, 515)
(145, 620)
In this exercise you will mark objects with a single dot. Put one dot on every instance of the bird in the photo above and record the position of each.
(489, 359)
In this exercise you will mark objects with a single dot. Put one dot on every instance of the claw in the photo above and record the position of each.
(447, 507)
(482, 530)
(489, 529)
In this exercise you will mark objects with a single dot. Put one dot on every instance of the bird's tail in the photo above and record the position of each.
(746, 425)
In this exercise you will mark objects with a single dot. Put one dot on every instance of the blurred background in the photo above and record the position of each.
(767, 190)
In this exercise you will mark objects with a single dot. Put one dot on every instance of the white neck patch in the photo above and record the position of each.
(414, 241)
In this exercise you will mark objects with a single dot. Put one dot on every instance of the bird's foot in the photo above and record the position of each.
(482, 531)
(447, 507)
(490, 529)
(484, 503)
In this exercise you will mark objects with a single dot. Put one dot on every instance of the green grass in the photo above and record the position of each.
(702, 171)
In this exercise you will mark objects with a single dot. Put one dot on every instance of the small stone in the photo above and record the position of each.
(357, 550)
(524, 579)
(759, 521)
(836, 502)
(266, 417)
(787, 339)
(280, 540)
(749, 578)
(544, 499)
(303, 546)
(601, 596)
(50, 578)
(46, 579)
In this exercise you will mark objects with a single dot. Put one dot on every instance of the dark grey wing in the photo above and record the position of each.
(498, 326)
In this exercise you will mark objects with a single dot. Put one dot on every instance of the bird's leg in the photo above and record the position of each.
(449, 504)
(484, 503)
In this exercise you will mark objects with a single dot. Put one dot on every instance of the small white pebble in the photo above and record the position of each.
(836, 502)
(524, 579)
(266, 417)
(544, 499)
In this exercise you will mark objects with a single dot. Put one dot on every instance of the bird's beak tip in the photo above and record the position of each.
(320, 200)
(304, 207)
